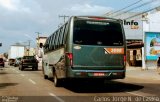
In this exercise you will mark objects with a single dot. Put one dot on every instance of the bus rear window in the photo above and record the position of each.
(90, 32)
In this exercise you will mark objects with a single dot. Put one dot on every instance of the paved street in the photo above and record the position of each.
(28, 83)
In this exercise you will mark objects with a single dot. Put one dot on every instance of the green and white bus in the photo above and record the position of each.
(87, 47)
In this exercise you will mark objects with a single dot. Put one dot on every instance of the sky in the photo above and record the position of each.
(21, 19)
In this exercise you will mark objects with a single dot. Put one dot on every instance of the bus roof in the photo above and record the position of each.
(97, 18)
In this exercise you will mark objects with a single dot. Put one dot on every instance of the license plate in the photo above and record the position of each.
(98, 74)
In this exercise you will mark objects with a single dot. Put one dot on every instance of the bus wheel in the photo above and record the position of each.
(36, 68)
(45, 77)
(22, 68)
(57, 82)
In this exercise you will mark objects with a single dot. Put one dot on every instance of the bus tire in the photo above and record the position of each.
(45, 77)
(36, 68)
(57, 81)
(21, 68)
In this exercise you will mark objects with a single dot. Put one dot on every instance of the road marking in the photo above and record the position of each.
(59, 99)
(33, 82)
(135, 94)
(22, 74)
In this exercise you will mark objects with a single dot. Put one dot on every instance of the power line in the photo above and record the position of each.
(146, 3)
(124, 8)
(29, 41)
(143, 12)
(64, 17)
(38, 33)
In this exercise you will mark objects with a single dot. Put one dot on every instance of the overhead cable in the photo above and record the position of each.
(143, 12)
(109, 13)
(135, 8)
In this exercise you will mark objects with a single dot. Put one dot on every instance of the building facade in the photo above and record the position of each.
(39, 50)
(140, 29)
(151, 38)
(16, 51)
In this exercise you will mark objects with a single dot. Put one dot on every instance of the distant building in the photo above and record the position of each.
(39, 49)
(1, 56)
(30, 52)
(40, 40)
(16, 51)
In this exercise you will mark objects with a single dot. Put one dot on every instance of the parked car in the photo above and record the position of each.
(28, 62)
(2, 62)
(11, 61)
(17, 61)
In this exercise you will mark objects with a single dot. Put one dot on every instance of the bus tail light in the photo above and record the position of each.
(70, 56)
(98, 18)
(124, 58)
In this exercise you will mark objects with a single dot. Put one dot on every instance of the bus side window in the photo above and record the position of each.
(60, 37)
(54, 45)
(47, 45)
(53, 42)
(50, 43)
(65, 34)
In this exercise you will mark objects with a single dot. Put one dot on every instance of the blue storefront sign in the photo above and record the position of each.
(152, 42)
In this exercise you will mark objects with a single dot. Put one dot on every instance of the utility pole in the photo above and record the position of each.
(29, 41)
(144, 19)
(38, 33)
(64, 17)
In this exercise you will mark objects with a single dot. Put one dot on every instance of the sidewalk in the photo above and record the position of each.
(133, 68)
(137, 72)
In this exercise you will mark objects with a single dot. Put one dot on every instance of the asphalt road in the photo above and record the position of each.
(30, 86)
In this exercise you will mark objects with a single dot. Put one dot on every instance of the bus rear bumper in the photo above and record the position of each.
(106, 74)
